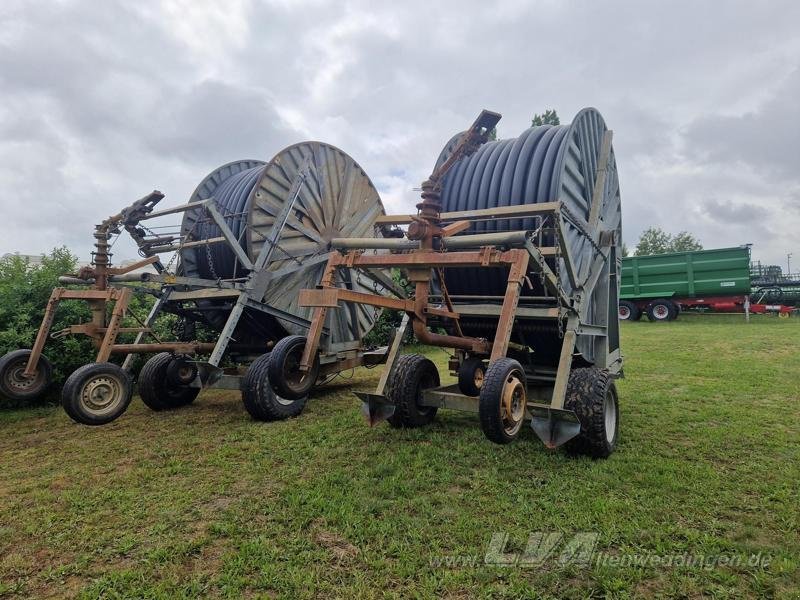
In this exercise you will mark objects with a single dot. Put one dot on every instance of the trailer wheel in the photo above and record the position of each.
(471, 375)
(260, 400)
(412, 374)
(14, 386)
(97, 393)
(662, 310)
(502, 401)
(591, 393)
(628, 311)
(164, 382)
(284, 372)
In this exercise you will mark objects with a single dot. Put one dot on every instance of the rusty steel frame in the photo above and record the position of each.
(101, 276)
(425, 254)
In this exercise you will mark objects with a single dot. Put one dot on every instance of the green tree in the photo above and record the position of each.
(549, 117)
(655, 240)
(684, 241)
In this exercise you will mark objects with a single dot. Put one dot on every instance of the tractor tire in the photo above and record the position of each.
(592, 395)
(97, 393)
(16, 387)
(662, 310)
(260, 400)
(471, 375)
(284, 369)
(163, 382)
(412, 374)
(504, 387)
(628, 311)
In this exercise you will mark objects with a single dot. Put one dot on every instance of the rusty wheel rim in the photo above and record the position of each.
(15, 380)
(512, 405)
(478, 377)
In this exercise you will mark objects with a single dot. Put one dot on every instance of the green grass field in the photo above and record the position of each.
(205, 502)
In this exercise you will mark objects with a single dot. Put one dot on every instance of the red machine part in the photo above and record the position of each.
(718, 304)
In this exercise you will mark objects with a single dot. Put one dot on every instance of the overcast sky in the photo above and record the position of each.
(103, 101)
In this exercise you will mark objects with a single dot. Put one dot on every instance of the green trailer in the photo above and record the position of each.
(661, 285)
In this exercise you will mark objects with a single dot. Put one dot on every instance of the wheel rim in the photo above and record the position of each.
(102, 394)
(186, 374)
(16, 381)
(512, 405)
(295, 379)
(610, 414)
(624, 312)
(661, 311)
(478, 377)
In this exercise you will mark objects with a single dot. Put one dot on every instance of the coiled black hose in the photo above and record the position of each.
(231, 199)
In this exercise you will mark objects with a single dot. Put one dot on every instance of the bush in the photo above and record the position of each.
(24, 291)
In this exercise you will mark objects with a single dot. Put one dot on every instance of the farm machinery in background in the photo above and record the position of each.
(662, 286)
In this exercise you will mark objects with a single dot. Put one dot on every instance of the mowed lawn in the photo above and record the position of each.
(206, 502)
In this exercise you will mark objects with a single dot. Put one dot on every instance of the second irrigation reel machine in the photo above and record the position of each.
(252, 235)
(521, 273)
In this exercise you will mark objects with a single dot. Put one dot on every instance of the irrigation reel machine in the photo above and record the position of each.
(513, 256)
(251, 236)
(514, 259)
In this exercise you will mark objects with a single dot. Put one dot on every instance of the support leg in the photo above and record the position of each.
(227, 332)
(516, 276)
(44, 331)
(120, 306)
(317, 322)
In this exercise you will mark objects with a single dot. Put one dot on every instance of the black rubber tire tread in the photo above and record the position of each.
(405, 381)
(635, 312)
(466, 376)
(279, 354)
(17, 355)
(491, 396)
(259, 398)
(672, 311)
(586, 392)
(155, 388)
(70, 393)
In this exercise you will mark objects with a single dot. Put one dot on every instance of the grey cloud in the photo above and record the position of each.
(101, 101)
(766, 139)
(729, 212)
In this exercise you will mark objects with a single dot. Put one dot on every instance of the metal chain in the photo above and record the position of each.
(559, 288)
(575, 223)
(211, 262)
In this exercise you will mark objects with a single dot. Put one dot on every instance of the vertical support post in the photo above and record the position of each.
(44, 330)
(394, 352)
(120, 306)
(227, 332)
(516, 275)
(564, 365)
(747, 309)
(317, 321)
